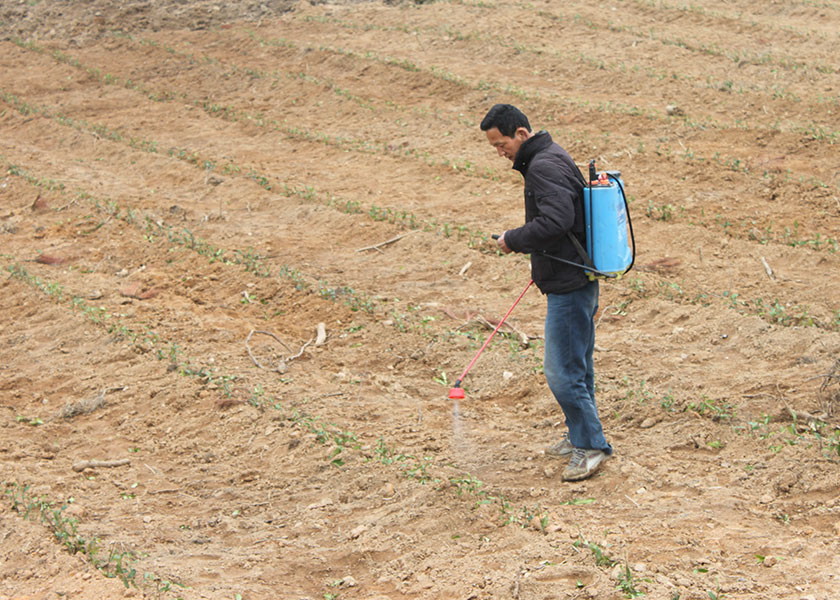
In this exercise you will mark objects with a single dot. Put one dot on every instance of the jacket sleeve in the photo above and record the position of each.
(553, 198)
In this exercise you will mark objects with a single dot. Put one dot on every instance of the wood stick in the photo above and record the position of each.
(321, 337)
(95, 464)
(385, 243)
(767, 268)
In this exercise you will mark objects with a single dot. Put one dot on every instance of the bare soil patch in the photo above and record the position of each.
(245, 253)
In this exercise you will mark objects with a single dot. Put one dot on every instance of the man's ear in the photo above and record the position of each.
(521, 134)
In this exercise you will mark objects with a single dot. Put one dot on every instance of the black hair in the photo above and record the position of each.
(506, 118)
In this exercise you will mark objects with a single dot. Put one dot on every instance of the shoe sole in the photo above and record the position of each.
(582, 476)
(588, 474)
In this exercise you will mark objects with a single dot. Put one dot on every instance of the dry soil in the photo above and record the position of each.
(245, 252)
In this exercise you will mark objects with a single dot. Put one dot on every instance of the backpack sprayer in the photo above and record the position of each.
(610, 242)
(610, 245)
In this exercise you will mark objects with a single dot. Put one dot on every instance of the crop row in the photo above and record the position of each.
(623, 67)
(231, 113)
(555, 99)
(772, 310)
(117, 564)
(171, 352)
(718, 160)
(422, 469)
(784, 63)
(153, 230)
(644, 286)
(812, 130)
(820, 435)
(717, 410)
(689, 156)
(735, 21)
(209, 164)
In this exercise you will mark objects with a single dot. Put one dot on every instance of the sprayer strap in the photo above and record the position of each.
(581, 250)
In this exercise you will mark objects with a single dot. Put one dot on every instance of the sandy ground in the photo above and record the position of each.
(246, 251)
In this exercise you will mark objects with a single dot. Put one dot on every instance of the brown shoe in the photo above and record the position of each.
(562, 448)
(584, 463)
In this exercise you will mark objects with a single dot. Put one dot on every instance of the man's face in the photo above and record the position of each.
(504, 145)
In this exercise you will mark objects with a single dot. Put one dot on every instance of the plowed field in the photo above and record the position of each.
(246, 251)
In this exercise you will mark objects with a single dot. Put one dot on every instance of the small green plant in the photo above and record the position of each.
(640, 394)
(161, 585)
(34, 421)
(719, 411)
(671, 290)
(466, 483)
(627, 583)
(578, 502)
(601, 559)
(664, 212)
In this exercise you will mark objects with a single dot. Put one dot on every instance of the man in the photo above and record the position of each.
(553, 208)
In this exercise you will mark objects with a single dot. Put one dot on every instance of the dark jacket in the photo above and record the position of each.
(553, 206)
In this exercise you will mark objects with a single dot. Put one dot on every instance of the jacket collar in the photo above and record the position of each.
(538, 142)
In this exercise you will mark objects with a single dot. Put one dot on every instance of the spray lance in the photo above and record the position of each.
(457, 392)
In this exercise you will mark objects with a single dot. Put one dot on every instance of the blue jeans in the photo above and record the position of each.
(569, 371)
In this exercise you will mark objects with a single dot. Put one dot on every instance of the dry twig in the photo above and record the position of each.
(302, 348)
(321, 336)
(767, 268)
(523, 337)
(830, 389)
(94, 464)
(281, 364)
(379, 246)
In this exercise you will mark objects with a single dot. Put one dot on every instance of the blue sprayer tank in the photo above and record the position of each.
(608, 240)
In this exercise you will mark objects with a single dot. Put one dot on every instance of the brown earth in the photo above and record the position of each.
(189, 189)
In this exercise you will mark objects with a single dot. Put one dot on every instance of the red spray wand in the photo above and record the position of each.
(457, 392)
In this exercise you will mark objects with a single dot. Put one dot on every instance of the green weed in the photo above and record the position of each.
(717, 410)
(65, 530)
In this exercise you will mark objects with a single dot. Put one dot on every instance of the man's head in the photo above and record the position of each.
(506, 127)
